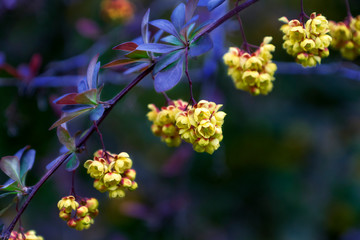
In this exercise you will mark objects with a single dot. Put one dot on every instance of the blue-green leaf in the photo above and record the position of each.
(97, 113)
(157, 47)
(72, 162)
(200, 46)
(27, 162)
(166, 26)
(166, 60)
(178, 16)
(212, 4)
(145, 27)
(92, 72)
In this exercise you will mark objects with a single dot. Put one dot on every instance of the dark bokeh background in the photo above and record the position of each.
(288, 167)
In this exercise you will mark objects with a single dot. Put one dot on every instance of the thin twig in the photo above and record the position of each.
(302, 14)
(348, 10)
(192, 100)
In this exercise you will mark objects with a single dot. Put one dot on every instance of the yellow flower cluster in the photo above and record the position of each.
(118, 10)
(78, 214)
(112, 173)
(30, 235)
(307, 44)
(254, 72)
(201, 126)
(346, 37)
(164, 122)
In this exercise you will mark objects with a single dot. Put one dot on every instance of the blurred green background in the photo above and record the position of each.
(288, 167)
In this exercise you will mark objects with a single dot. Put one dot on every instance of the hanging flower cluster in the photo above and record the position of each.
(200, 125)
(346, 37)
(254, 72)
(307, 44)
(112, 173)
(117, 10)
(30, 235)
(164, 122)
(78, 214)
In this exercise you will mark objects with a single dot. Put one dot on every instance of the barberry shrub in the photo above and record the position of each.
(164, 52)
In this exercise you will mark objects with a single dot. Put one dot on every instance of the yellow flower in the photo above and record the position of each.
(111, 180)
(96, 169)
(68, 203)
(117, 193)
(317, 24)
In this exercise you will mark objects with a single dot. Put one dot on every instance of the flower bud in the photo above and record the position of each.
(82, 211)
(130, 174)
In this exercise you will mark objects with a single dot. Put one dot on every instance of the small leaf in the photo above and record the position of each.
(69, 116)
(166, 60)
(66, 139)
(166, 26)
(145, 27)
(212, 4)
(72, 162)
(172, 40)
(91, 71)
(157, 47)
(200, 46)
(87, 97)
(167, 79)
(95, 76)
(157, 36)
(68, 98)
(10, 165)
(127, 46)
(138, 55)
(119, 62)
(97, 113)
(19, 153)
(26, 163)
(10, 185)
(178, 16)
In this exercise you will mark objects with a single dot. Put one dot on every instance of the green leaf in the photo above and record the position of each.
(65, 139)
(26, 163)
(87, 97)
(137, 54)
(72, 162)
(10, 185)
(10, 165)
(119, 62)
(69, 116)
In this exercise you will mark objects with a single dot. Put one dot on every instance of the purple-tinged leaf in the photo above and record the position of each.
(10, 165)
(167, 79)
(189, 30)
(190, 9)
(82, 85)
(172, 40)
(166, 60)
(9, 185)
(186, 26)
(145, 27)
(212, 4)
(178, 16)
(158, 47)
(91, 71)
(166, 26)
(19, 153)
(140, 67)
(69, 116)
(27, 162)
(74, 108)
(65, 139)
(119, 62)
(72, 162)
(97, 113)
(127, 46)
(200, 28)
(68, 98)
(200, 46)
(95, 76)
(137, 55)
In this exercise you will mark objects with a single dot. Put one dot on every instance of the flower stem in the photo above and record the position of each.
(245, 44)
(348, 10)
(302, 13)
(192, 100)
